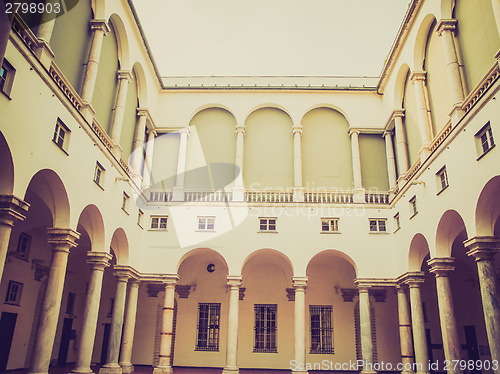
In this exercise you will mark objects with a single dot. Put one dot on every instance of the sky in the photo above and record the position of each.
(271, 37)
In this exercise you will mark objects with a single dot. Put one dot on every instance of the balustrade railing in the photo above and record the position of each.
(377, 198)
(269, 196)
(216, 196)
(443, 134)
(485, 83)
(328, 197)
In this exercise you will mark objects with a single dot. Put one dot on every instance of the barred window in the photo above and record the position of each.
(329, 224)
(70, 304)
(208, 327)
(265, 328)
(23, 246)
(321, 329)
(267, 224)
(14, 292)
(378, 225)
(159, 222)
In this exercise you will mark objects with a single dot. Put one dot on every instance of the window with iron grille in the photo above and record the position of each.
(321, 329)
(70, 304)
(265, 328)
(208, 327)
(267, 224)
(329, 224)
(159, 222)
(23, 246)
(378, 225)
(14, 292)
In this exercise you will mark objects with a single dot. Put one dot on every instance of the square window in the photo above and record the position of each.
(397, 222)
(23, 246)
(329, 225)
(484, 139)
(265, 328)
(159, 222)
(442, 179)
(61, 136)
(206, 223)
(14, 292)
(208, 327)
(268, 224)
(7, 73)
(321, 329)
(125, 200)
(378, 224)
(413, 206)
(99, 174)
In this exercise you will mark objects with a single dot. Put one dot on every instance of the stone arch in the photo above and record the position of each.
(210, 106)
(272, 254)
(334, 253)
(6, 168)
(206, 251)
(399, 87)
(142, 86)
(421, 41)
(329, 106)
(271, 105)
(419, 249)
(449, 227)
(48, 186)
(120, 246)
(92, 222)
(122, 41)
(488, 208)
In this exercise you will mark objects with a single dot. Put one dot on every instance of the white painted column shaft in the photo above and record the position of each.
(391, 163)
(299, 284)
(148, 161)
(124, 78)
(129, 327)
(356, 160)
(424, 124)
(405, 336)
(401, 145)
(234, 283)
(138, 144)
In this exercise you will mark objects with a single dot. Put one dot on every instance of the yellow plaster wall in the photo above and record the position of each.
(166, 152)
(373, 162)
(326, 150)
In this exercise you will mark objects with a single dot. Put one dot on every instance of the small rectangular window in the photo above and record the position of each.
(484, 140)
(378, 225)
(159, 222)
(413, 206)
(61, 136)
(329, 225)
(442, 179)
(99, 174)
(397, 222)
(265, 328)
(206, 223)
(208, 327)
(14, 292)
(70, 304)
(140, 216)
(125, 200)
(111, 307)
(268, 224)
(7, 73)
(321, 329)
(23, 246)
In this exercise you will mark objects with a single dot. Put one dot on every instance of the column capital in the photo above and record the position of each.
(98, 260)
(397, 113)
(446, 24)
(367, 283)
(299, 283)
(240, 129)
(387, 133)
(482, 247)
(12, 209)
(354, 132)
(152, 132)
(418, 76)
(184, 130)
(401, 288)
(124, 272)
(170, 280)
(441, 266)
(99, 24)
(62, 239)
(412, 279)
(234, 281)
(124, 74)
(297, 129)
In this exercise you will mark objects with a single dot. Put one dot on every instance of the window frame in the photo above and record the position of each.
(378, 225)
(159, 223)
(99, 174)
(204, 223)
(125, 202)
(327, 221)
(490, 141)
(7, 80)
(324, 330)
(265, 224)
(439, 175)
(24, 254)
(413, 207)
(18, 291)
(61, 128)
(397, 221)
(266, 329)
(208, 329)
(140, 218)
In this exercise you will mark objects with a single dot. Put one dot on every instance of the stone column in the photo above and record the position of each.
(12, 210)
(299, 284)
(44, 34)
(98, 261)
(405, 336)
(122, 274)
(401, 143)
(359, 192)
(234, 283)
(391, 163)
(238, 190)
(5, 22)
(100, 28)
(167, 326)
(124, 78)
(414, 280)
(496, 11)
(178, 190)
(483, 249)
(424, 122)
(446, 30)
(148, 161)
(138, 143)
(298, 189)
(61, 240)
(129, 327)
(441, 267)
(365, 325)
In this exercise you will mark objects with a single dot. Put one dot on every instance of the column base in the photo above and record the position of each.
(163, 370)
(233, 370)
(82, 371)
(111, 369)
(127, 368)
(368, 372)
(299, 372)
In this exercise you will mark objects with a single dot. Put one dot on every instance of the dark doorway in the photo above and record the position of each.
(7, 326)
(65, 339)
(105, 343)
(471, 346)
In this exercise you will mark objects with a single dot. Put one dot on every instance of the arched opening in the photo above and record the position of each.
(488, 209)
(6, 168)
